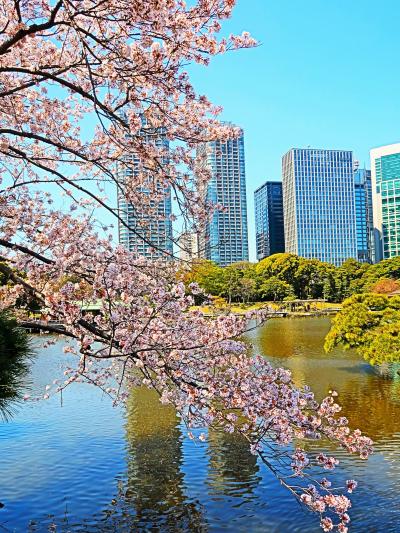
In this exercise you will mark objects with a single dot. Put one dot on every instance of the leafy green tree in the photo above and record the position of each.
(307, 277)
(388, 268)
(329, 291)
(311, 277)
(231, 277)
(348, 278)
(275, 289)
(370, 323)
(207, 274)
(283, 266)
(238, 281)
(248, 289)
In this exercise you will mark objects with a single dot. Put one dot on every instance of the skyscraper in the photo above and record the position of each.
(319, 207)
(150, 229)
(226, 238)
(188, 246)
(385, 170)
(268, 205)
(364, 219)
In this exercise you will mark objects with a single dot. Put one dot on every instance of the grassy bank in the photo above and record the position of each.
(297, 309)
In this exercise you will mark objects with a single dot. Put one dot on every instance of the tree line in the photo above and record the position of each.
(288, 277)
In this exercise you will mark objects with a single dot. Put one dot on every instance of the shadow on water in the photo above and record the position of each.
(151, 494)
(15, 358)
(362, 368)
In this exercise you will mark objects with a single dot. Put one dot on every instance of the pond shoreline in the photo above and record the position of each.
(276, 314)
(37, 326)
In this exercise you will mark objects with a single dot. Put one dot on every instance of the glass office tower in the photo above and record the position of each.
(319, 206)
(150, 232)
(268, 206)
(364, 217)
(226, 237)
(385, 170)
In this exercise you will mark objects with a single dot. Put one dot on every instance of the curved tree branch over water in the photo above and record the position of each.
(81, 84)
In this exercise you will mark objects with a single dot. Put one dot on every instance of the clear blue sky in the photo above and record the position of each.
(326, 74)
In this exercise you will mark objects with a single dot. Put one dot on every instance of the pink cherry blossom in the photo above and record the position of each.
(80, 81)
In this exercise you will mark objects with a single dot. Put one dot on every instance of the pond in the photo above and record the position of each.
(86, 466)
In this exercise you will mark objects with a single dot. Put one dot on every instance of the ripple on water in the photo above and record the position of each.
(90, 467)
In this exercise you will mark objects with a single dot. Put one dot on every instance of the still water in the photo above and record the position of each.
(86, 466)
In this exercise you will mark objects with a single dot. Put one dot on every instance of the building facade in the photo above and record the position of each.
(150, 230)
(268, 208)
(364, 216)
(319, 206)
(188, 246)
(385, 170)
(226, 236)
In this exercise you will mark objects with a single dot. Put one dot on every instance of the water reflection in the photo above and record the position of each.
(153, 496)
(284, 338)
(233, 470)
(370, 398)
(87, 466)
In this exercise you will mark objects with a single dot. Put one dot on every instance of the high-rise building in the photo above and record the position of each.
(226, 238)
(268, 206)
(150, 228)
(364, 218)
(188, 246)
(319, 207)
(385, 170)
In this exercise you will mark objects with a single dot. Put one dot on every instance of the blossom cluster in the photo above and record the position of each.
(84, 85)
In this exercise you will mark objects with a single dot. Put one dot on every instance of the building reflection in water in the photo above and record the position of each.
(154, 492)
(233, 470)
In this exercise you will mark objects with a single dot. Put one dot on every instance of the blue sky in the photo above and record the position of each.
(326, 74)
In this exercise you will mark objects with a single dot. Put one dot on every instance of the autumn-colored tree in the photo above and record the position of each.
(388, 269)
(386, 286)
(83, 85)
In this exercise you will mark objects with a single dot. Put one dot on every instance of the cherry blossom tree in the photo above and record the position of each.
(80, 81)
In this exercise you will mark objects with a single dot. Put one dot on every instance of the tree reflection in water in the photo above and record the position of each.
(370, 397)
